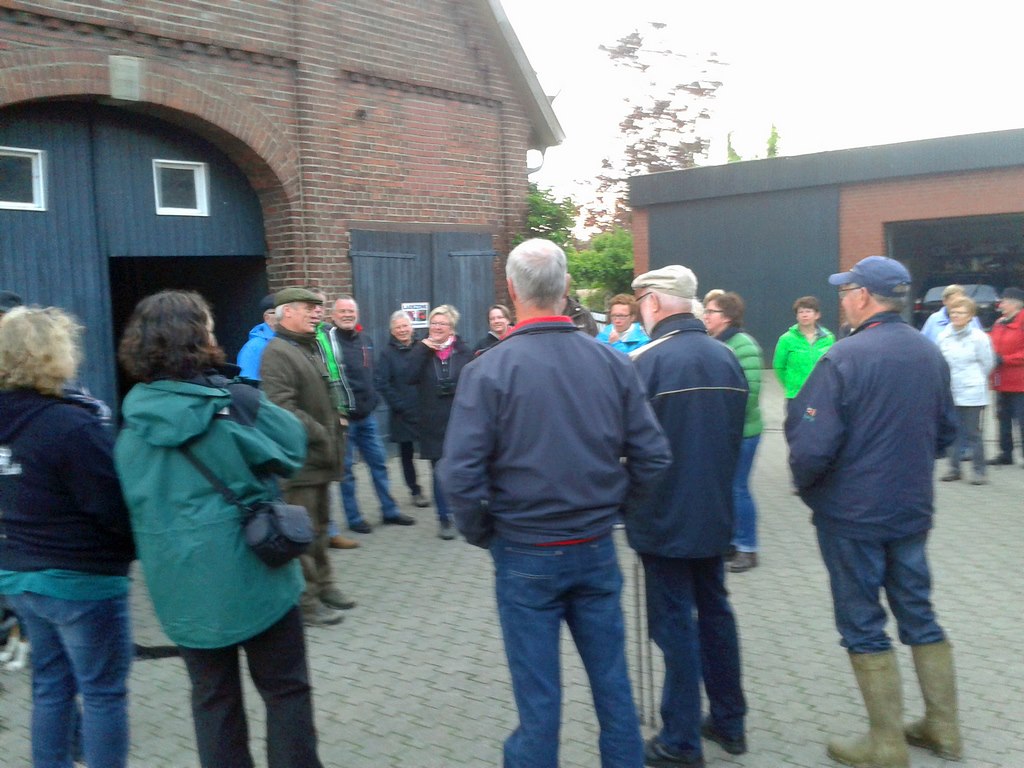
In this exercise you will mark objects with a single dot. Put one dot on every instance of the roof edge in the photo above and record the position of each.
(547, 131)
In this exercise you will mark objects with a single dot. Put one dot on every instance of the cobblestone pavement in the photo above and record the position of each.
(416, 677)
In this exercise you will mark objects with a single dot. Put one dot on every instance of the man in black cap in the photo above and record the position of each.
(251, 353)
(863, 435)
(1008, 375)
(295, 377)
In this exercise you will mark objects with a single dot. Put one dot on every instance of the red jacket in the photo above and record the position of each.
(1008, 343)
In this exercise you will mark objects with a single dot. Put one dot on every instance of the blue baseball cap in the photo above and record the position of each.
(881, 275)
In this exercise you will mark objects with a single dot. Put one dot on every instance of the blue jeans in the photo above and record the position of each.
(857, 572)
(364, 436)
(968, 439)
(537, 588)
(745, 526)
(78, 647)
(705, 646)
(443, 512)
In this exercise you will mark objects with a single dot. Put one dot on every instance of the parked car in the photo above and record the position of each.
(984, 296)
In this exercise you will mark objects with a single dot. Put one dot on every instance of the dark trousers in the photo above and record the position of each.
(406, 450)
(277, 664)
(1009, 409)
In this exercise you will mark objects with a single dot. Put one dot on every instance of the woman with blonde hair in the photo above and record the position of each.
(67, 541)
(437, 362)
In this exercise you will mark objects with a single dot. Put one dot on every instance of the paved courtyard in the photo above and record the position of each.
(415, 676)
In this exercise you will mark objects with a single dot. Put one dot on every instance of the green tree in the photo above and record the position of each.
(548, 217)
(604, 267)
(773, 142)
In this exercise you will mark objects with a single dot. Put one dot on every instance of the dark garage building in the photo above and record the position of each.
(951, 209)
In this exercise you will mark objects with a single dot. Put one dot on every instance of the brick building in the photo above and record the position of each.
(373, 146)
(951, 209)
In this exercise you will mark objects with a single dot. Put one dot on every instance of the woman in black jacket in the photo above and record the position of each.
(437, 362)
(403, 401)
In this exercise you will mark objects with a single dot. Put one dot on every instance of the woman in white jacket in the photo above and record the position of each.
(969, 354)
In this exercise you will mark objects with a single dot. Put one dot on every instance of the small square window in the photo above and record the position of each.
(22, 179)
(181, 188)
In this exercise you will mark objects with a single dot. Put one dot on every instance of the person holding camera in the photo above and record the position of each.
(215, 598)
(437, 362)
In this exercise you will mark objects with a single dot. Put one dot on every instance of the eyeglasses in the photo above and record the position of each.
(641, 298)
(440, 323)
(844, 291)
(959, 312)
(714, 311)
(619, 317)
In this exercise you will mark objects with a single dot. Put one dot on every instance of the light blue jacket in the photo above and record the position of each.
(633, 338)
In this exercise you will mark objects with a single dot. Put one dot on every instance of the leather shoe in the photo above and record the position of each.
(949, 477)
(419, 500)
(400, 519)
(334, 598)
(361, 527)
(658, 755)
(999, 460)
(743, 561)
(322, 616)
(732, 746)
(340, 542)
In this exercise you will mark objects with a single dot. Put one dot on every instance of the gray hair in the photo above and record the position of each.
(398, 313)
(537, 270)
(677, 304)
(891, 303)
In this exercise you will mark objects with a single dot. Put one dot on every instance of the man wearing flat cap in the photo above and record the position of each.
(683, 528)
(863, 436)
(1008, 375)
(295, 377)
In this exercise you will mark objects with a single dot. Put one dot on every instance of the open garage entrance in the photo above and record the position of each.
(233, 285)
(969, 250)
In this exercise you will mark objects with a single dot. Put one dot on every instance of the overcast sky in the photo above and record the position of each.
(829, 75)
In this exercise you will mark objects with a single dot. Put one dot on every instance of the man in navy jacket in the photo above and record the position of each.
(683, 529)
(863, 436)
(533, 471)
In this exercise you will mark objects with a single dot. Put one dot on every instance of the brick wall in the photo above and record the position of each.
(865, 209)
(373, 113)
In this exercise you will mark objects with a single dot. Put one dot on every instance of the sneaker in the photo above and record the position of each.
(949, 477)
(658, 755)
(333, 597)
(322, 616)
(340, 542)
(400, 519)
(743, 562)
(999, 460)
(444, 530)
(419, 500)
(733, 746)
(979, 481)
(361, 527)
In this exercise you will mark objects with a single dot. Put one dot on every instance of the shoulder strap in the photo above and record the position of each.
(213, 480)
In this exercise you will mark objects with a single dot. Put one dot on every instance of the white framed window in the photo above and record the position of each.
(181, 188)
(22, 179)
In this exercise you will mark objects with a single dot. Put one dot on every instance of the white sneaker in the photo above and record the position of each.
(20, 658)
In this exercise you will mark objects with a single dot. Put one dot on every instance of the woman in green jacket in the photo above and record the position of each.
(723, 317)
(799, 349)
(212, 594)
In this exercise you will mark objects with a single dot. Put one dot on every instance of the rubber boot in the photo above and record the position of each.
(939, 731)
(883, 746)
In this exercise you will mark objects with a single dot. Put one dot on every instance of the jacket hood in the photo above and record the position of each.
(262, 331)
(18, 407)
(168, 413)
